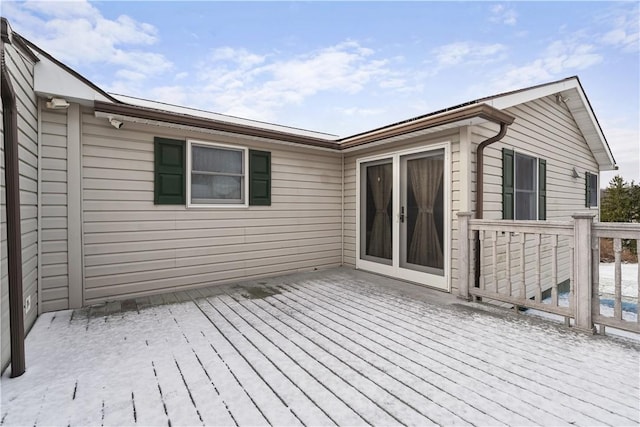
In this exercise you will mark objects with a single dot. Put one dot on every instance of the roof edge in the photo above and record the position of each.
(68, 69)
(444, 117)
(204, 123)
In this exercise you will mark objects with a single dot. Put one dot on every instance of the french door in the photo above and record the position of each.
(403, 215)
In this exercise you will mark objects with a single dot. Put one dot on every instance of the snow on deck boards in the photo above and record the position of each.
(335, 347)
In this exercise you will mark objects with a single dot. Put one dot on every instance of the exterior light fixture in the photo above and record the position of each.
(57, 104)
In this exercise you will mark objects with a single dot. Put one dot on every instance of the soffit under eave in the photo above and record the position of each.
(590, 129)
(51, 80)
(579, 107)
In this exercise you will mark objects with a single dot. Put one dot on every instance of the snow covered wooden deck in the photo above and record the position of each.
(331, 347)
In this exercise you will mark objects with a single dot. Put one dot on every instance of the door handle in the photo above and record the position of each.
(402, 214)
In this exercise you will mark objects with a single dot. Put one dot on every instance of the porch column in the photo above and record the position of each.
(463, 255)
(582, 223)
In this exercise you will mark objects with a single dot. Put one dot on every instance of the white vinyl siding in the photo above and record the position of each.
(21, 75)
(133, 247)
(545, 130)
(55, 278)
(542, 129)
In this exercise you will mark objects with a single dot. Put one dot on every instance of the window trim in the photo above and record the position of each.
(536, 172)
(509, 192)
(588, 201)
(245, 175)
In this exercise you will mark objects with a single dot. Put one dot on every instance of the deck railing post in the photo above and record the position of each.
(582, 224)
(463, 255)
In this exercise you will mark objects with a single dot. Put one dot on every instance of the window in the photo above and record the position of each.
(206, 174)
(216, 175)
(524, 189)
(591, 193)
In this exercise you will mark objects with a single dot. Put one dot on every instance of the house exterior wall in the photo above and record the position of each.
(546, 130)
(54, 263)
(350, 164)
(132, 247)
(21, 74)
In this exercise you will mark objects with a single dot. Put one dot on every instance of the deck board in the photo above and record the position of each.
(331, 347)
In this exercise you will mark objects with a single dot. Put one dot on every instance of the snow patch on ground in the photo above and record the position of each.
(327, 348)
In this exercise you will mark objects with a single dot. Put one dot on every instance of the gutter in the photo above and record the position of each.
(14, 241)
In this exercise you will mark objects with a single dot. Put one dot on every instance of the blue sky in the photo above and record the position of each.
(347, 67)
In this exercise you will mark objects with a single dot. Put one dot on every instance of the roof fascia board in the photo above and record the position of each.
(159, 117)
(177, 109)
(572, 84)
(422, 132)
(482, 111)
(210, 131)
(593, 126)
(52, 80)
(82, 89)
(14, 39)
(502, 102)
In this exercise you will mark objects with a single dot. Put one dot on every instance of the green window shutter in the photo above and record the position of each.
(542, 189)
(169, 172)
(507, 184)
(259, 178)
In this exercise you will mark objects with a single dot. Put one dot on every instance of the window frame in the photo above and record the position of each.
(536, 183)
(509, 186)
(589, 204)
(245, 174)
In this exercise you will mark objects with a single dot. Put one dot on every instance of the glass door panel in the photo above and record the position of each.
(376, 211)
(422, 212)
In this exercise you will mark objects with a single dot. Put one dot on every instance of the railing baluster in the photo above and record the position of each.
(553, 240)
(494, 242)
(638, 282)
(508, 262)
(472, 263)
(537, 239)
(572, 266)
(523, 238)
(595, 279)
(554, 269)
(617, 304)
(481, 255)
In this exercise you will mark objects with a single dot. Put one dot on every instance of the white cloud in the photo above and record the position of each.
(503, 15)
(357, 111)
(75, 32)
(560, 58)
(468, 53)
(624, 34)
(243, 83)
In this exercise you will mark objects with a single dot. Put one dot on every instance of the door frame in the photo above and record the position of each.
(394, 269)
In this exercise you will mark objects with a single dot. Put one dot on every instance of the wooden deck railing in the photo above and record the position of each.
(531, 263)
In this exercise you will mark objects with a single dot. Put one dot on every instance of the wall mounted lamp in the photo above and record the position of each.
(57, 104)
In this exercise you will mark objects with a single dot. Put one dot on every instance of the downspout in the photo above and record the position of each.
(14, 243)
(480, 167)
(480, 189)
